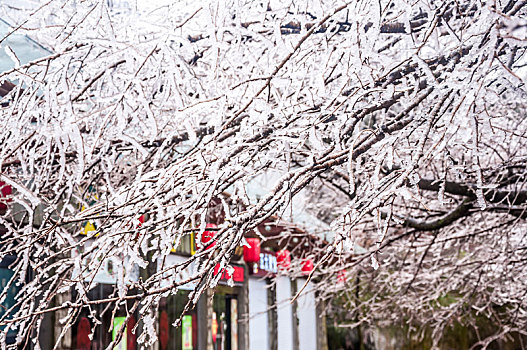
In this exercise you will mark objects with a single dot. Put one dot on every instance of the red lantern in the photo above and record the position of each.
(208, 236)
(283, 259)
(252, 254)
(307, 266)
(341, 276)
(5, 191)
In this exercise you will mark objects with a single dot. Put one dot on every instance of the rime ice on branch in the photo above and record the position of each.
(401, 124)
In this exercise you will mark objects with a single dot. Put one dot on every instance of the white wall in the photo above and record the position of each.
(285, 313)
(170, 277)
(258, 322)
(307, 317)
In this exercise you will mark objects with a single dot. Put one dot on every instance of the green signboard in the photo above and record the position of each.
(186, 329)
(117, 322)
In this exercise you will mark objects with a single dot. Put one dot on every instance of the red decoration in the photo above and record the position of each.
(194, 329)
(214, 327)
(208, 236)
(252, 254)
(283, 259)
(5, 191)
(83, 334)
(341, 276)
(307, 266)
(237, 276)
(163, 330)
(130, 336)
(141, 220)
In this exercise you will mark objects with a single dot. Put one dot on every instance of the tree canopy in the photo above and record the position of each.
(400, 124)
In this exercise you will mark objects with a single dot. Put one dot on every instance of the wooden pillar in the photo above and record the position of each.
(272, 315)
(322, 334)
(209, 299)
(145, 273)
(296, 322)
(62, 337)
(243, 305)
(203, 321)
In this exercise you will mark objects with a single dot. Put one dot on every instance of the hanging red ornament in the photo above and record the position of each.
(252, 254)
(5, 191)
(307, 266)
(207, 236)
(283, 259)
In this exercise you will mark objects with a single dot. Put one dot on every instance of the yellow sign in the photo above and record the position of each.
(89, 227)
(91, 199)
(186, 245)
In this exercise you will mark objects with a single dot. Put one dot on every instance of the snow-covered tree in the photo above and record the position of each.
(400, 123)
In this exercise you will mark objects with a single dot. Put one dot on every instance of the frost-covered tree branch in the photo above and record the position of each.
(400, 124)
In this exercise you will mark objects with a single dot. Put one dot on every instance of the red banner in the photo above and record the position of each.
(237, 276)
